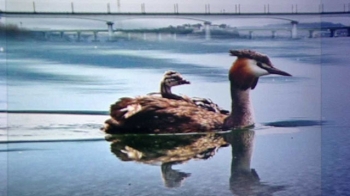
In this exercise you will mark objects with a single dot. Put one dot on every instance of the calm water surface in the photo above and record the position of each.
(288, 153)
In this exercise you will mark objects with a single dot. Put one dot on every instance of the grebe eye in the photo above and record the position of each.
(168, 81)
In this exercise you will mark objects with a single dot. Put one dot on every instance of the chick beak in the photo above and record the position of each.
(186, 82)
(183, 81)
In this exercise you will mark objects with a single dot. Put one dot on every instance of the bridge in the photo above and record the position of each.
(46, 33)
(207, 18)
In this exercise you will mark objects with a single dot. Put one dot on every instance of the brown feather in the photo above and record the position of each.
(240, 75)
(158, 114)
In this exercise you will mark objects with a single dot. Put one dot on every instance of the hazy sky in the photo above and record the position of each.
(168, 5)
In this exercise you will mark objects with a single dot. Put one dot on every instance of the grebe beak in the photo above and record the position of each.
(185, 82)
(273, 70)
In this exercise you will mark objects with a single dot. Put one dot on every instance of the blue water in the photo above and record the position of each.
(294, 156)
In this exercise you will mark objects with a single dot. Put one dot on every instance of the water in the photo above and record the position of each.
(66, 154)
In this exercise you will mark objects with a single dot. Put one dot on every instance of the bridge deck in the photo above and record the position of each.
(13, 13)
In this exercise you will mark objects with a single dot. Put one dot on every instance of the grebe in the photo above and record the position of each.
(151, 114)
(170, 79)
(173, 78)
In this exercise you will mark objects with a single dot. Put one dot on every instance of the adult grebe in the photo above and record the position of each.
(151, 114)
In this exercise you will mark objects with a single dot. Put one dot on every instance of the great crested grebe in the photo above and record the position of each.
(152, 114)
(170, 79)
(173, 78)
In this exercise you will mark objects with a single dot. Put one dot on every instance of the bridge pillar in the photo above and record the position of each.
(129, 36)
(294, 29)
(174, 36)
(273, 34)
(250, 36)
(207, 30)
(46, 35)
(95, 36)
(311, 33)
(144, 35)
(332, 32)
(78, 36)
(159, 36)
(348, 32)
(61, 34)
(110, 30)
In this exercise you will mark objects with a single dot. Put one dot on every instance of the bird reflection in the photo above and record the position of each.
(172, 178)
(169, 150)
(244, 180)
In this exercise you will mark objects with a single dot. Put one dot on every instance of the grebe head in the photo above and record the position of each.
(170, 79)
(173, 78)
(248, 67)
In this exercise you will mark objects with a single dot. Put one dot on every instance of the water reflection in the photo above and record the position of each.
(172, 178)
(169, 150)
(245, 180)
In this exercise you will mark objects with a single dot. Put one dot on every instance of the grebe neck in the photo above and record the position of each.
(165, 91)
(242, 114)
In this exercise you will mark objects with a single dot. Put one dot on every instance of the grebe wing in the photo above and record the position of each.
(209, 105)
(149, 114)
